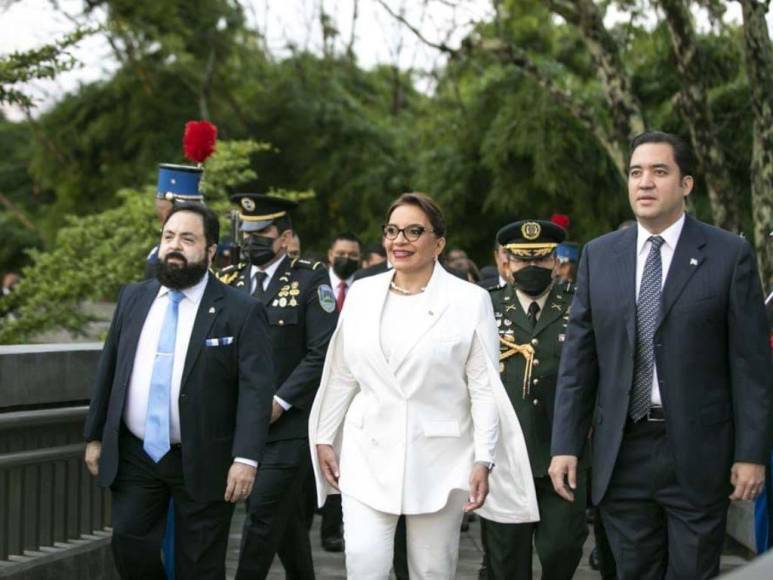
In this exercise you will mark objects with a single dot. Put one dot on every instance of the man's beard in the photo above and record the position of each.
(180, 277)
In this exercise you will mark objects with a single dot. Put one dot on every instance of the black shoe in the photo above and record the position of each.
(333, 544)
(593, 559)
(483, 571)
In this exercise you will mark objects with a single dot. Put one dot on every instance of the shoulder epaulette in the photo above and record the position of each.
(298, 263)
(230, 273)
(493, 287)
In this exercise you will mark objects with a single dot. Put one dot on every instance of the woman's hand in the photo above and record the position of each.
(478, 487)
(329, 464)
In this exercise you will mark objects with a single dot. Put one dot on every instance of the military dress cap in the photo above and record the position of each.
(531, 239)
(179, 182)
(568, 252)
(257, 211)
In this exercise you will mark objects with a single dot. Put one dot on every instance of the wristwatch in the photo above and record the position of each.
(489, 464)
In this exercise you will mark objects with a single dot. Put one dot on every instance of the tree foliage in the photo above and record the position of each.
(530, 115)
(94, 255)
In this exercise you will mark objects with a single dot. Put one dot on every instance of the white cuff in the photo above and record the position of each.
(249, 462)
(282, 403)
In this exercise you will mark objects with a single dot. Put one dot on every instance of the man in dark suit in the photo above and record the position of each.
(302, 316)
(667, 352)
(181, 406)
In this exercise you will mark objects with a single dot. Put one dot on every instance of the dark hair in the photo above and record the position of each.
(346, 237)
(208, 218)
(682, 152)
(376, 248)
(426, 204)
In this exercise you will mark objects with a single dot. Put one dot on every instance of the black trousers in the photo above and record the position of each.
(654, 530)
(332, 518)
(558, 536)
(140, 503)
(276, 521)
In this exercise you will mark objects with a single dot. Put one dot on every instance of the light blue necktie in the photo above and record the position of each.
(156, 442)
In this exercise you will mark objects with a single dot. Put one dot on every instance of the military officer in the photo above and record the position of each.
(302, 315)
(532, 311)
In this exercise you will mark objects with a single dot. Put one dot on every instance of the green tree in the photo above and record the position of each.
(94, 255)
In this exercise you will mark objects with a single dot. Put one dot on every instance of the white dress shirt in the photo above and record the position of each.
(335, 281)
(139, 384)
(670, 238)
(269, 271)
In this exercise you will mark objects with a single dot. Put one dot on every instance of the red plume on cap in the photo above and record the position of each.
(561, 219)
(199, 140)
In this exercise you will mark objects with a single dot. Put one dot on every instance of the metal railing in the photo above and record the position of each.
(46, 494)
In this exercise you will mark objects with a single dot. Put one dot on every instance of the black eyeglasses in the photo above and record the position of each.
(411, 233)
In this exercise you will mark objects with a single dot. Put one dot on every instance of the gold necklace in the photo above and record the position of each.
(403, 291)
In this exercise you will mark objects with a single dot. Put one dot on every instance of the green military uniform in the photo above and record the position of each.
(529, 359)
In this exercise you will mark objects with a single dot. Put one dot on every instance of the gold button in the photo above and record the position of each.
(535, 382)
(535, 341)
(536, 362)
(281, 323)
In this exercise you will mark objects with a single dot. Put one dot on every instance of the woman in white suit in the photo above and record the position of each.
(412, 404)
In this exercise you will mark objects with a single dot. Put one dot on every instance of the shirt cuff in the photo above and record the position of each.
(249, 462)
(282, 403)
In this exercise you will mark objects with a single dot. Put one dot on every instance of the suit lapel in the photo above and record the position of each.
(436, 302)
(625, 265)
(551, 312)
(514, 311)
(137, 315)
(205, 317)
(688, 256)
(279, 279)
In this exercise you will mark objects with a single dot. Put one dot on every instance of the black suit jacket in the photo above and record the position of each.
(711, 353)
(300, 331)
(225, 393)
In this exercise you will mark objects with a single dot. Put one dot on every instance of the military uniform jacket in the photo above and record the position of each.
(533, 400)
(301, 313)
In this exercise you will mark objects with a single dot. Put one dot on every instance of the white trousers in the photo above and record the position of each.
(433, 540)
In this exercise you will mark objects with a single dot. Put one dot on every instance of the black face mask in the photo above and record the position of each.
(180, 277)
(345, 267)
(259, 249)
(532, 280)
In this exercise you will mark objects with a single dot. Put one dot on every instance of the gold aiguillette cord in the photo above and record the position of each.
(527, 351)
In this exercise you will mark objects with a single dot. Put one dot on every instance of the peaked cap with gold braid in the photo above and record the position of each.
(531, 239)
(257, 211)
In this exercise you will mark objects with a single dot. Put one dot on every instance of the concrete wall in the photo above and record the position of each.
(46, 374)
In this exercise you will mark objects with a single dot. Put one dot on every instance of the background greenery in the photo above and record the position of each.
(520, 124)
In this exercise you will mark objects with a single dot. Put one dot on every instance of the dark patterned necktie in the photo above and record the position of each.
(533, 311)
(260, 278)
(647, 311)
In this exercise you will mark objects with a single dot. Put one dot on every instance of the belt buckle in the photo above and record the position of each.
(652, 419)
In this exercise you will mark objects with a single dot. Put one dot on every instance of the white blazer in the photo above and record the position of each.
(413, 426)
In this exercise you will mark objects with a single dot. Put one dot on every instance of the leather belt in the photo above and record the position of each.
(656, 415)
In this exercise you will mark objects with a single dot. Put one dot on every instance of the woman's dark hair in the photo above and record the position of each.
(208, 218)
(426, 204)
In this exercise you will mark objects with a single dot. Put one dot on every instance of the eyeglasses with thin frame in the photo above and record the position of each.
(411, 233)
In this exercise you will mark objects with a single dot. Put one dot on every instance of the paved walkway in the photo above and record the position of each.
(331, 566)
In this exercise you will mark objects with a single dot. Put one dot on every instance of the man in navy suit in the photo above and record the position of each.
(181, 406)
(667, 355)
